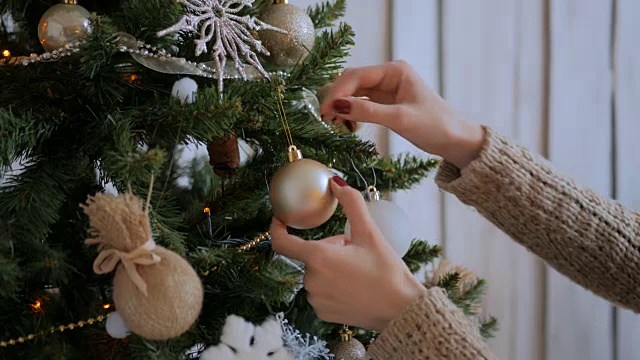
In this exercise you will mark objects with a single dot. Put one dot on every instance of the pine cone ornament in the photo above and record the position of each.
(224, 156)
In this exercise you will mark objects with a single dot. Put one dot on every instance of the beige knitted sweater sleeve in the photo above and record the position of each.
(588, 237)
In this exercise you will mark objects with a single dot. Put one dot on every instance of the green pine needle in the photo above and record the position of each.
(326, 13)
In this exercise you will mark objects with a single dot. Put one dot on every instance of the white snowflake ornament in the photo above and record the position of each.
(217, 21)
(242, 340)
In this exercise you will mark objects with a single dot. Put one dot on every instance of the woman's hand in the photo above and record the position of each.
(358, 281)
(399, 100)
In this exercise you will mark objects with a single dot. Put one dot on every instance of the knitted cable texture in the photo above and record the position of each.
(590, 238)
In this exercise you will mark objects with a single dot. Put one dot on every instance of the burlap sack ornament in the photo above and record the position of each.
(156, 291)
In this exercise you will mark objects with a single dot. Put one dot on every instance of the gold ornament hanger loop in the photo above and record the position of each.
(373, 194)
(283, 118)
(294, 154)
(346, 334)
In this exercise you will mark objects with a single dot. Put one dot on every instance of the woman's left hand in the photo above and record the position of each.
(358, 281)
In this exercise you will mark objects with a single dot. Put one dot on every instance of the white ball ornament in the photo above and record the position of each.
(185, 90)
(392, 221)
(116, 327)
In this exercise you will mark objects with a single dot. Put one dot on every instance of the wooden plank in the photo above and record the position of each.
(579, 324)
(527, 302)
(627, 106)
(493, 73)
(422, 203)
(372, 25)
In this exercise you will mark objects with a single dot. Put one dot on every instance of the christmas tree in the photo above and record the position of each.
(98, 102)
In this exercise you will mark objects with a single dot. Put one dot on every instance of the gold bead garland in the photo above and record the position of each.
(251, 244)
(98, 319)
(246, 247)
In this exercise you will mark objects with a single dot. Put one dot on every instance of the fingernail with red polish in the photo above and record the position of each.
(339, 181)
(351, 126)
(342, 106)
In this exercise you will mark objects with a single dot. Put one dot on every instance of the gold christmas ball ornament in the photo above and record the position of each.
(300, 192)
(63, 24)
(294, 46)
(348, 348)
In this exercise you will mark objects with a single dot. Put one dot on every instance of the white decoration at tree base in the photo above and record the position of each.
(241, 340)
(116, 328)
(302, 347)
(193, 352)
(275, 339)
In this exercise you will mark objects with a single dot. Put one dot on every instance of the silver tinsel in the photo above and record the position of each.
(217, 21)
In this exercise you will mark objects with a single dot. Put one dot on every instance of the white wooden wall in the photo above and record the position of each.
(562, 77)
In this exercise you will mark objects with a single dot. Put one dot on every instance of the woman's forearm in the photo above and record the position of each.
(432, 328)
(589, 238)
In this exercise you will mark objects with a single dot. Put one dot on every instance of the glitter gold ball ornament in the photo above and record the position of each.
(348, 348)
(294, 46)
(63, 24)
(300, 192)
(391, 220)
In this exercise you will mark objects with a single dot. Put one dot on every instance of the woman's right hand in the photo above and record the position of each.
(400, 101)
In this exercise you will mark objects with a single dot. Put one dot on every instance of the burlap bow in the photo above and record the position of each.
(109, 258)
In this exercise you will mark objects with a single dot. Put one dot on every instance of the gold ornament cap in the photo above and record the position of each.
(346, 334)
(293, 154)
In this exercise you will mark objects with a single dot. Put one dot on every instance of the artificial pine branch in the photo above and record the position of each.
(449, 282)
(326, 13)
(325, 60)
(19, 134)
(10, 272)
(30, 200)
(468, 299)
(125, 164)
(421, 253)
(402, 172)
(134, 19)
(488, 327)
